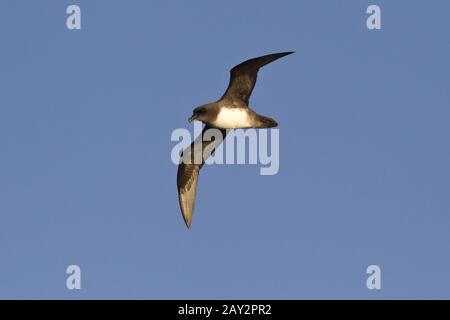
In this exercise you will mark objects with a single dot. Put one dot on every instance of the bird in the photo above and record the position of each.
(231, 111)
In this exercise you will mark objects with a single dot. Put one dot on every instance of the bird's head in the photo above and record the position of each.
(201, 113)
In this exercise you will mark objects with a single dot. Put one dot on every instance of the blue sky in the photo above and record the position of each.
(86, 176)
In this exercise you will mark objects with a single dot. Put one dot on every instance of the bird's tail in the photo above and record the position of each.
(266, 122)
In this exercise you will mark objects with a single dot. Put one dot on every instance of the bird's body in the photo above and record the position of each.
(229, 112)
(229, 118)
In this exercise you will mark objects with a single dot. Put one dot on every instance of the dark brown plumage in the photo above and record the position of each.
(188, 173)
(243, 77)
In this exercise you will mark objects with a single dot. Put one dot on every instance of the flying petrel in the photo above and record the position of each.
(229, 112)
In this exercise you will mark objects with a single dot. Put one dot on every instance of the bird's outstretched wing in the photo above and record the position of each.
(243, 76)
(191, 162)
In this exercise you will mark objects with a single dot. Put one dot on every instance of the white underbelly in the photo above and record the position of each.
(229, 118)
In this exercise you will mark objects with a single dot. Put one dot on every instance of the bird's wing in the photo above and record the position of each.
(187, 175)
(187, 179)
(243, 76)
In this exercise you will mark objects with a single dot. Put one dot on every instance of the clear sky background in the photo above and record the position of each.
(86, 176)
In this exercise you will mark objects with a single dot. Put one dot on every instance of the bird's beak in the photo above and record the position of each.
(192, 118)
